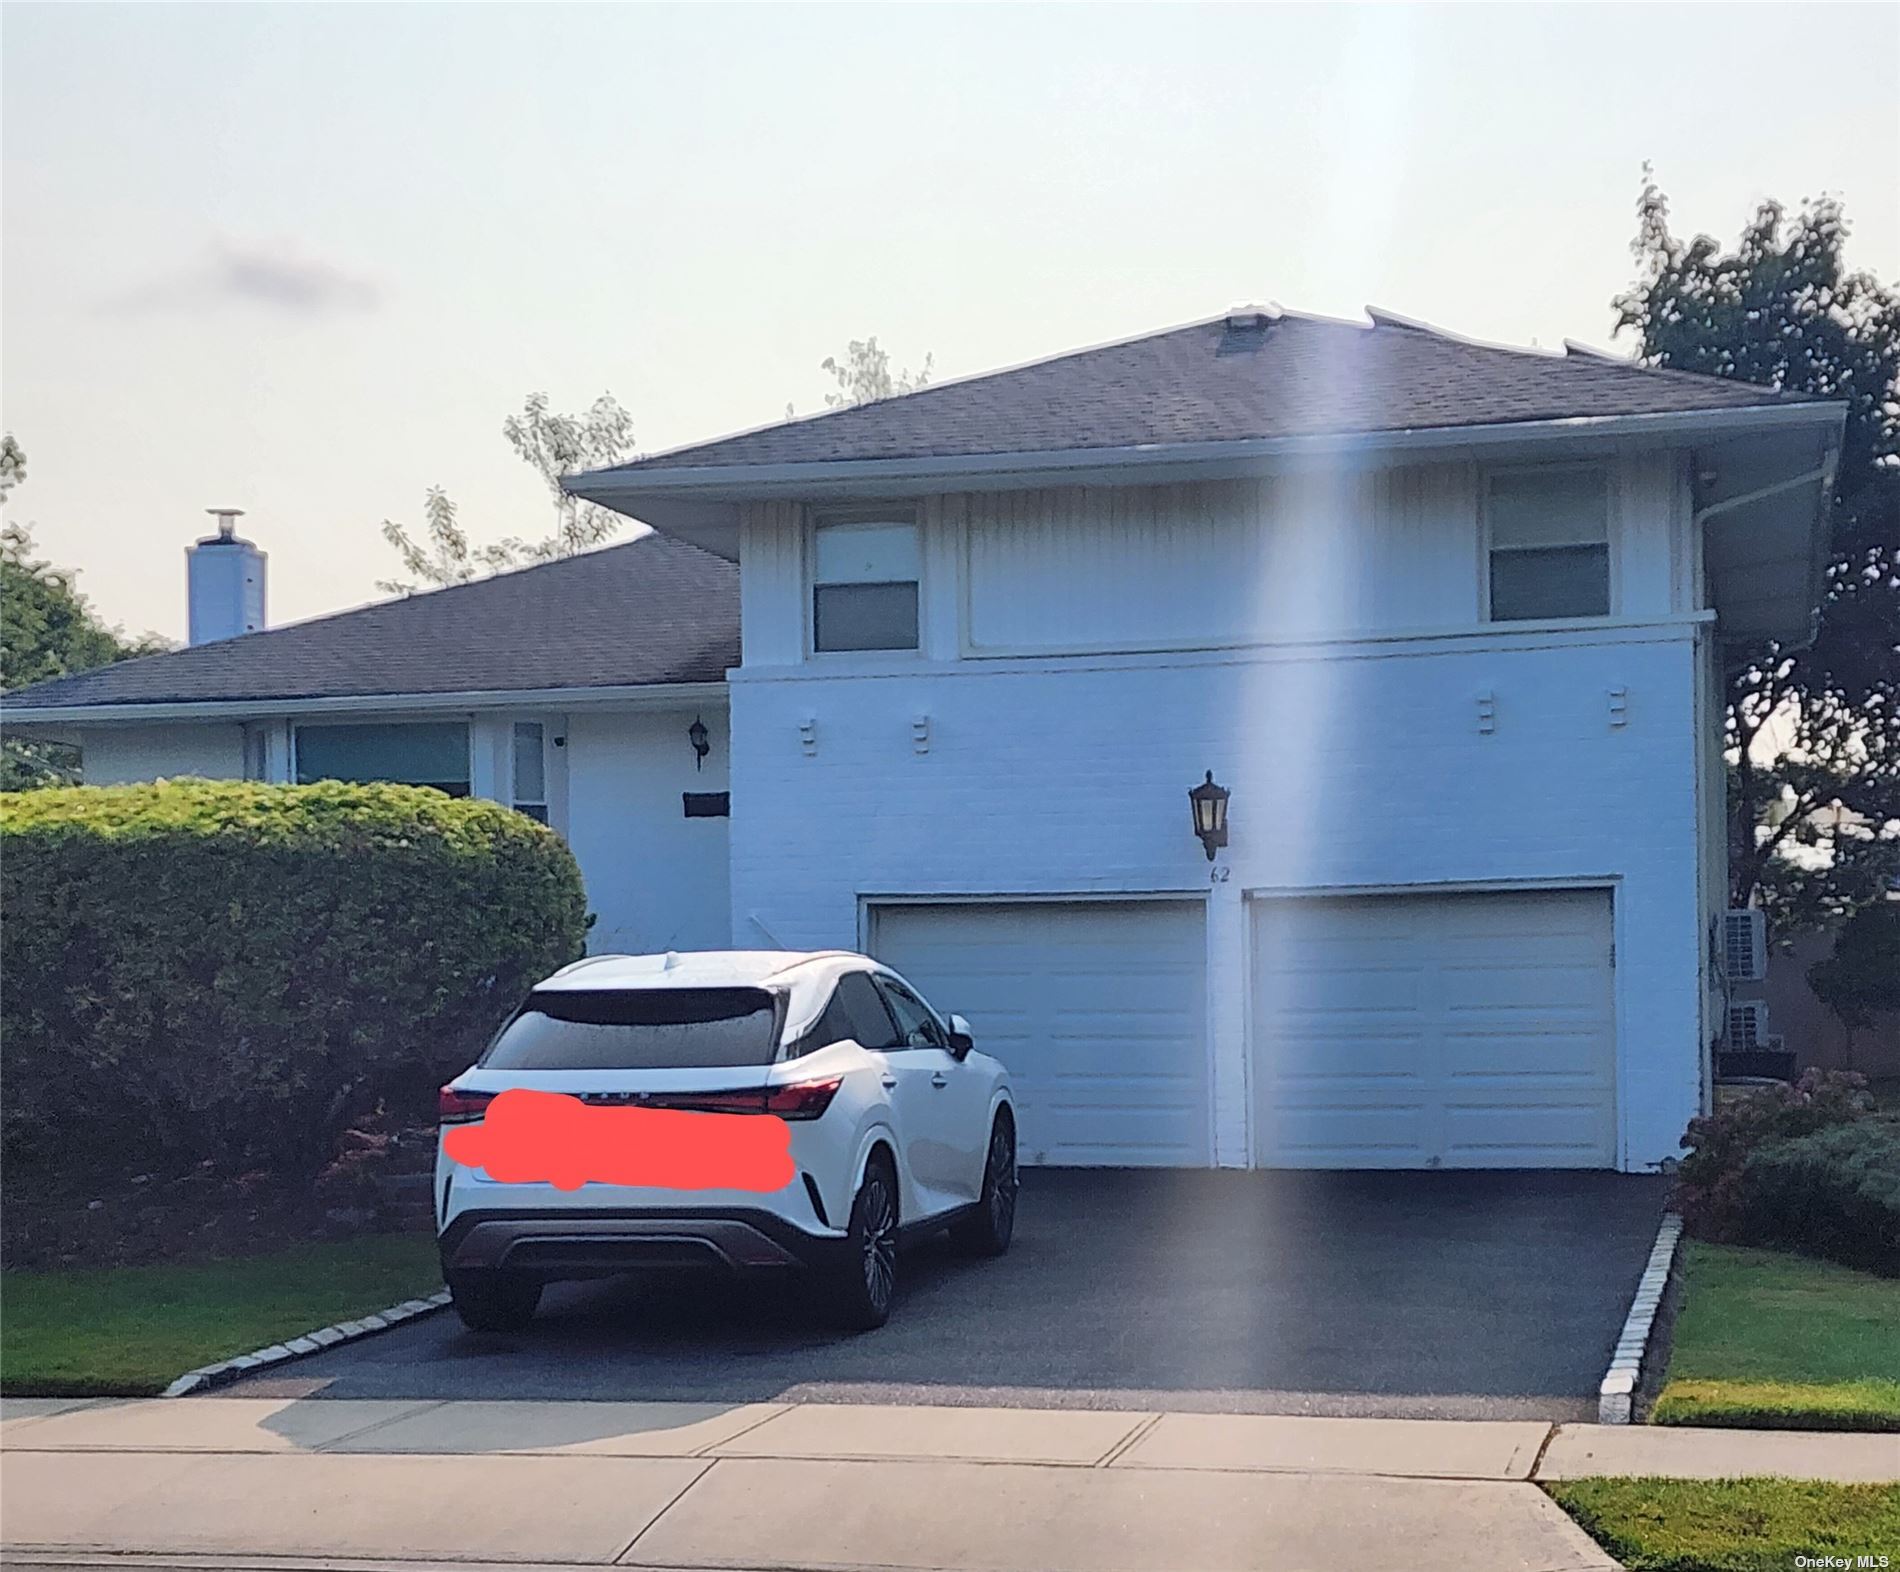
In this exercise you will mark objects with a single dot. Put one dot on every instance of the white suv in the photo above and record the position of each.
(898, 1127)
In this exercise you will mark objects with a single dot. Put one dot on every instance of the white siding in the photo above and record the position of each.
(655, 878)
(118, 755)
(1222, 563)
(1334, 553)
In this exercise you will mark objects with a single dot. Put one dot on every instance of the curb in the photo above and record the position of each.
(226, 1371)
(1616, 1396)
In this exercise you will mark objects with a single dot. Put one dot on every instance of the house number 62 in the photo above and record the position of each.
(1218, 875)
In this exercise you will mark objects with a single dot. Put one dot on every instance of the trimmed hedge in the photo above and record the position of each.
(1835, 1193)
(209, 969)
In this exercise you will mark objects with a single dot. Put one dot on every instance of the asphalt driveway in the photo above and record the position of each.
(1457, 1295)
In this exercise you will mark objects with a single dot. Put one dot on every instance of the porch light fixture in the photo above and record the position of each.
(1209, 803)
(697, 735)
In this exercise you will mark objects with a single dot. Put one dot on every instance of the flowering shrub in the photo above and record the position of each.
(1710, 1191)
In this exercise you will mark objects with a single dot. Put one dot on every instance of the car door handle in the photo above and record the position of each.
(940, 1080)
(890, 1083)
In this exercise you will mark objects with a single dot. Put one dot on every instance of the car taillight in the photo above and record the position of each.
(453, 1107)
(746, 1102)
(802, 1099)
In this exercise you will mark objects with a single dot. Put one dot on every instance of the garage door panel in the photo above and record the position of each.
(1484, 1135)
(1345, 1056)
(1350, 1134)
(1575, 1054)
(1097, 1008)
(1467, 1030)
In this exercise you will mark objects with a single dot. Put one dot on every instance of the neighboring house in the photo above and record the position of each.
(569, 690)
(1443, 618)
(1796, 1016)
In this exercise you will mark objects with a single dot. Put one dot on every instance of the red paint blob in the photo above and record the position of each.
(552, 1138)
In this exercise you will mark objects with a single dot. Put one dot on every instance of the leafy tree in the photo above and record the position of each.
(444, 556)
(46, 630)
(558, 445)
(1813, 731)
(864, 375)
(552, 445)
(1861, 979)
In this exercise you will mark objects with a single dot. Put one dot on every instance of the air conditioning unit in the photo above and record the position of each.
(1744, 944)
(1748, 1028)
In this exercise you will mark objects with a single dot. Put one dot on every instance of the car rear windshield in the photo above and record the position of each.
(639, 1029)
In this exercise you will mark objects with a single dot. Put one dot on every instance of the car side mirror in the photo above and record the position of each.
(961, 1042)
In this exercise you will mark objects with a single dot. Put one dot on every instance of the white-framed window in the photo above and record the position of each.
(1547, 534)
(531, 770)
(256, 752)
(414, 753)
(865, 572)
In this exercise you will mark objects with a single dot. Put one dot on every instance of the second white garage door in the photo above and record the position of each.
(1456, 1031)
(1097, 1008)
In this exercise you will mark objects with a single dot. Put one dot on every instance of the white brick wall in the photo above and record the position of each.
(1352, 766)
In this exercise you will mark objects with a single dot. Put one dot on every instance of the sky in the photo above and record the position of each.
(305, 259)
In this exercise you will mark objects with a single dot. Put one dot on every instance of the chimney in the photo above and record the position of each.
(225, 578)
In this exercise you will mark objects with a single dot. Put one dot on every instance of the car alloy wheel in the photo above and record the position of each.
(879, 1213)
(1000, 1180)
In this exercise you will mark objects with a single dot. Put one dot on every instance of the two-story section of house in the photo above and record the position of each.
(1446, 623)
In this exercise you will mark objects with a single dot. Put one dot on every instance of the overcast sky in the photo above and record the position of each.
(304, 260)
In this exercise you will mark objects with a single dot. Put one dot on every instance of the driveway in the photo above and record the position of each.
(1454, 1295)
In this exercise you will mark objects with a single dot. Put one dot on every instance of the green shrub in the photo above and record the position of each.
(1709, 1185)
(200, 969)
(1834, 1193)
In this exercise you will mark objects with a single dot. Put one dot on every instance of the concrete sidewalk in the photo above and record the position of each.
(813, 1486)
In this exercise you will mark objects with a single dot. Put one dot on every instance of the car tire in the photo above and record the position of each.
(861, 1285)
(988, 1229)
(494, 1301)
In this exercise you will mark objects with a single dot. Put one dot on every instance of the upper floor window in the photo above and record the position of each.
(1549, 534)
(422, 753)
(864, 585)
(531, 770)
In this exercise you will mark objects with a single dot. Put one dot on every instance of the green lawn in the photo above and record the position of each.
(131, 1330)
(1782, 1341)
(1733, 1525)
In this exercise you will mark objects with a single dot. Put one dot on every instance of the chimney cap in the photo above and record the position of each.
(227, 525)
(1251, 315)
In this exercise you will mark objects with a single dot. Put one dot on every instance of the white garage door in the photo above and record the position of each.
(1098, 1010)
(1458, 1031)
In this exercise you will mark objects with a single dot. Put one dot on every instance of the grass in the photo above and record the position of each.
(1733, 1525)
(1783, 1342)
(129, 1331)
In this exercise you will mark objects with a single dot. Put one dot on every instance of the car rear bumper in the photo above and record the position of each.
(568, 1243)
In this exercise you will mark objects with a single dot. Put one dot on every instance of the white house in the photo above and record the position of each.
(1444, 619)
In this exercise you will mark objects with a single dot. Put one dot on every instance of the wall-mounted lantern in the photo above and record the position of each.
(1210, 814)
(701, 740)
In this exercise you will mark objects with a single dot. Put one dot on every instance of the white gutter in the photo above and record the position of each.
(645, 696)
(755, 479)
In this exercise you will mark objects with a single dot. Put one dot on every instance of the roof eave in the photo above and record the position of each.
(654, 695)
(731, 482)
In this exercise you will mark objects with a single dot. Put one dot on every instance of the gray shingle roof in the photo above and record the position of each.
(1298, 376)
(651, 611)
